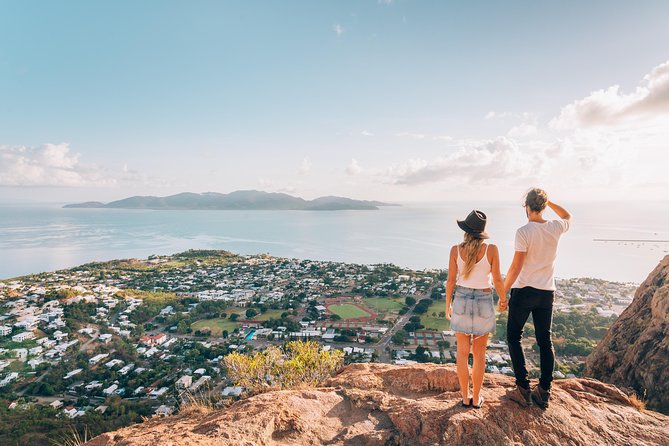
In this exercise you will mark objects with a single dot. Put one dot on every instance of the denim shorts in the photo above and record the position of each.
(473, 311)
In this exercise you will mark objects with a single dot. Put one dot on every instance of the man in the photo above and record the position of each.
(532, 283)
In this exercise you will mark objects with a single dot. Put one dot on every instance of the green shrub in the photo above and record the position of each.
(300, 364)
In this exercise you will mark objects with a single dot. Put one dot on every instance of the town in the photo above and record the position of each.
(149, 333)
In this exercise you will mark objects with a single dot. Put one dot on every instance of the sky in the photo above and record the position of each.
(406, 101)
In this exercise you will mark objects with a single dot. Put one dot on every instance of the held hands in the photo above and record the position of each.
(503, 304)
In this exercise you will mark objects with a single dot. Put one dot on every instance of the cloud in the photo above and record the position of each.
(523, 131)
(338, 29)
(366, 133)
(305, 166)
(610, 106)
(49, 165)
(475, 162)
(354, 168)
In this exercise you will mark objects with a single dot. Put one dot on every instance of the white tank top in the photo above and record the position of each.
(479, 277)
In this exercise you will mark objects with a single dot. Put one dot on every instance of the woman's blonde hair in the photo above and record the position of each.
(469, 251)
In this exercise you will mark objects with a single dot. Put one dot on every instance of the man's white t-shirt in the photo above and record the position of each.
(540, 242)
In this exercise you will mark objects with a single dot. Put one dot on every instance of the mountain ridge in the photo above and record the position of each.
(236, 200)
(634, 353)
(418, 404)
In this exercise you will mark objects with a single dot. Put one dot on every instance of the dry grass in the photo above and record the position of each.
(639, 403)
(74, 438)
(198, 404)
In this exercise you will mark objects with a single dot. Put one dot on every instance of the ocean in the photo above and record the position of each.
(45, 237)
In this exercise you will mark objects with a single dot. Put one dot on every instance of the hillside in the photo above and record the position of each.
(238, 200)
(634, 352)
(381, 404)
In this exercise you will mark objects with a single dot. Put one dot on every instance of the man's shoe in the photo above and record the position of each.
(521, 396)
(541, 396)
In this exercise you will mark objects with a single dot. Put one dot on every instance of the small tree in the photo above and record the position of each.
(399, 338)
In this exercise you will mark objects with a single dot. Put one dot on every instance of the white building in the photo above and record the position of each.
(232, 391)
(200, 382)
(97, 358)
(111, 389)
(184, 382)
(164, 411)
(5, 330)
(26, 335)
(113, 363)
(158, 393)
(105, 338)
(72, 373)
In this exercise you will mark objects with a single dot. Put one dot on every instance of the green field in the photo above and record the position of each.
(384, 304)
(436, 323)
(215, 325)
(348, 311)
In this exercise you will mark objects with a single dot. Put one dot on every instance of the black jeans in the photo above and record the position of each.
(540, 303)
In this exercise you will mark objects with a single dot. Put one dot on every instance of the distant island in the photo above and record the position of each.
(238, 200)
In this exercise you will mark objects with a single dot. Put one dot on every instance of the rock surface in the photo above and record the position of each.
(634, 353)
(382, 404)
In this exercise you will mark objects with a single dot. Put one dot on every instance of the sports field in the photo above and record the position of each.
(216, 326)
(348, 311)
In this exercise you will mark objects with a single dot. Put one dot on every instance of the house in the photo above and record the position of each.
(110, 390)
(113, 363)
(105, 338)
(88, 330)
(97, 358)
(93, 385)
(200, 382)
(35, 350)
(126, 369)
(72, 373)
(158, 393)
(21, 354)
(184, 382)
(33, 363)
(26, 335)
(164, 411)
(5, 330)
(56, 404)
(153, 340)
(233, 391)
(59, 335)
(9, 378)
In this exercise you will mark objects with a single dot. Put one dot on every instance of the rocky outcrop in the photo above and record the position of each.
(634, 353)
(382, 404)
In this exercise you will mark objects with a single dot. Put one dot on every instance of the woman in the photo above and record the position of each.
(471, 265)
